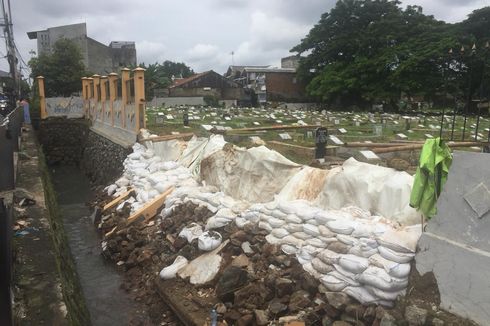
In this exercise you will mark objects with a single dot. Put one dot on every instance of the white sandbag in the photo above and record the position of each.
(280, 233)
(272, 239)
(359, 251)
(216, 222)
(148, 154)
(225, 213)
(341, 226)
(322, 217)
(241, 222)
(111, 189)
(289, 249)
(306, 212)
(392, 268)
(324, 231)
(204, 268)
(353, 263)
(357, 212)
(385, 295)
(169, 165)
(360, 294)
(329, 256)
(367, 242)
(266, 226)
(271, 205)
(380, 279)
(293, 241)
(363, 230)
(320, 266)
(292, 227)
(398, 257)
(404, 240)
(122, 182)
(171, 271)
(278, 214)
(332, 283)
(315, 242)
(275, 222)
(344, 276)
(348, 240)
(252, 216)
(326, 240)
(309, 268)
(312, 222)
(293, 218)
(209, 240)
(286, 207)
(311, 230)
(302, 235)
(191, 232)
(134, 156)
(162, 187)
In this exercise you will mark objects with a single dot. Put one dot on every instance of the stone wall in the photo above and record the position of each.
(73, 142)
(102, 159)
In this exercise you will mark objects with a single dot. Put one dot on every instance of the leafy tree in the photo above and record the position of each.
(62, 68)
(159, 76)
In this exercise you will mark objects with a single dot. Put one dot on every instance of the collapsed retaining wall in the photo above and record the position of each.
(73, 142)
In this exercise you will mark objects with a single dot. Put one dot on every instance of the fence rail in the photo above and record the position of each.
(10, 132)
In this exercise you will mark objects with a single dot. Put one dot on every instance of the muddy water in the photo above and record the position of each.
(106, 302)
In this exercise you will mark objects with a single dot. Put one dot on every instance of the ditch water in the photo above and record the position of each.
(100, 281)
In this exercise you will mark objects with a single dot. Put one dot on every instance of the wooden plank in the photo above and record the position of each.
(115, 201)
(167, 137)
(419, 146)
(149, 210)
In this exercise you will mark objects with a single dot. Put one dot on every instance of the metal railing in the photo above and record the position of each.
(10, 131)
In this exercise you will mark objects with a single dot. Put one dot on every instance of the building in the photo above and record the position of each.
(98, 58)
(211, 86)
(270, 84)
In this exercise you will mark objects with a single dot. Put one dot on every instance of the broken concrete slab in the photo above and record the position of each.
(456, 246)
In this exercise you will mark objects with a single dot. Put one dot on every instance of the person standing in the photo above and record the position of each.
(27, 116)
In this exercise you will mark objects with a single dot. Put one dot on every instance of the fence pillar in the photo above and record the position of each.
(42, 97)
(112, 93)
(96, 97)
(85, 96)
(139, 97)
(103, 96)
(124, 93)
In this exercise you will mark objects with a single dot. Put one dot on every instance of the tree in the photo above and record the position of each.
(159, 76)
(62, 69)
(367, 51)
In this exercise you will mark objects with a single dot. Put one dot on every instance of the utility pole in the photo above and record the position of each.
(10, 46)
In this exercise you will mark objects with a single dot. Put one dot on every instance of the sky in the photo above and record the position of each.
(201, 33)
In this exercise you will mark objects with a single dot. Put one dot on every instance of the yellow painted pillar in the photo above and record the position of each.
(42, 97)
(103, 96)
(124, 93)
(96, 96)
(112, 93)
(139, 97)
(85, 96)
(90, 95)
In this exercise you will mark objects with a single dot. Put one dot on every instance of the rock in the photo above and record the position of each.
(246, 320)
(253, 295)
(437, 322)
(276, 307)
(283, 286)
(341, 323)
(179, 243)
(415, 316)
(331, 311)
(355, 310)
(247, 249)
(309, 283)
(240, 236)
(261, 317)
(231, 280)
(220, 308)
(269, 249)
(338, 300)
(241, 261)
(387, 320)
(370, 313)
(233, 315)
(327, 321)
(299, 300)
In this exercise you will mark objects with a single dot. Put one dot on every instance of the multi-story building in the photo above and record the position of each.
(98, 58)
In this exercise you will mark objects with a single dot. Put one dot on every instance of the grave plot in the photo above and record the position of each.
(259, 238)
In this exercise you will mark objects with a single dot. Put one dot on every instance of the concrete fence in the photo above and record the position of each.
(115, 104)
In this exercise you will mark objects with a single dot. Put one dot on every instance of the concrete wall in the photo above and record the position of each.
(284, 87)
(176, 101)
(456, 244)
(100, 57)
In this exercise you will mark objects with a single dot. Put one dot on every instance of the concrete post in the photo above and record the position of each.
(85, 96)
(112, 93)
(42, 97)
(90, 96)
(103, 96)
(96, 96)
(139, 97)
(124, 93)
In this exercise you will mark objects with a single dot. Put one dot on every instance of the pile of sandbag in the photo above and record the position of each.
(149, 176)
(349, 250)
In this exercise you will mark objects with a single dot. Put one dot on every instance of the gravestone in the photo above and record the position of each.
(321, 135)
(285, 136)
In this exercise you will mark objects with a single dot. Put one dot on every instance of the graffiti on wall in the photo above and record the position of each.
(71, 107)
